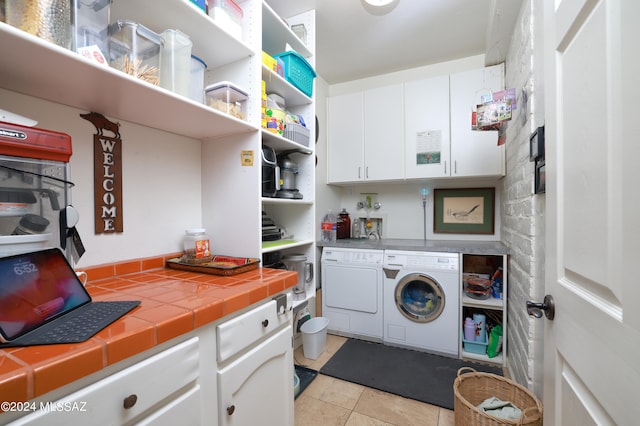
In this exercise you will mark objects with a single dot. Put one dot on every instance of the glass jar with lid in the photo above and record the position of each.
(197, 246)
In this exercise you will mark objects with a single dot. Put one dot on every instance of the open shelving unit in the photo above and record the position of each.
(230, 188)
(296, 216)
(494, 309)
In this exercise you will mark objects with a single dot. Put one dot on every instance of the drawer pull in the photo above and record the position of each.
(231, 409)
(130, 401)
(265, 323)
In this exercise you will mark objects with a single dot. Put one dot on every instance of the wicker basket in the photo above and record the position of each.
(472, 388)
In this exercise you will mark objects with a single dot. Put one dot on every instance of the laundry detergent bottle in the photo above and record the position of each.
(481, 327)
(469, 329)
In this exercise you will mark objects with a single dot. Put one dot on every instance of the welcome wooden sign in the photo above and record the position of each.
(107, 175)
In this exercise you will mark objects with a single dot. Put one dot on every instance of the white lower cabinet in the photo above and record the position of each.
(255, 367)
(238, 371)
(257, 387)
(164, 383)
(184, 410)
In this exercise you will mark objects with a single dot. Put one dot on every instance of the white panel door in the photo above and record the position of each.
(257, 388)
(427, 138)
(473, 152)
(384, 133)
(592, 347)
(345, 138)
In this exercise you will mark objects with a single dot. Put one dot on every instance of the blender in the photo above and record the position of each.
(288, 175)
(298, 263)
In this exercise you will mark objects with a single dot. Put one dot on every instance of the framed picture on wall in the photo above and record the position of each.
(464, 211)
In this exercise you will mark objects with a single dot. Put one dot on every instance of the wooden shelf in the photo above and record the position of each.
(55, 74)
(286, 201)
(271, 246)
(211, 43)
(279, 143)
(276, 33)
(277, 84)
(498, 359)
(491, 303)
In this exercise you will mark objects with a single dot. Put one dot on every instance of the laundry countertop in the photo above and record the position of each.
(173, 303)
(447, 246)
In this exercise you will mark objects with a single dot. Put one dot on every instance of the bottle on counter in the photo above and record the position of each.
(197, 246)
(329, 228)
(344, 224)
(355, 232)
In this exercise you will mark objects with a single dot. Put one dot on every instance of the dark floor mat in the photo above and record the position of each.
(417, 375)
(306, 376)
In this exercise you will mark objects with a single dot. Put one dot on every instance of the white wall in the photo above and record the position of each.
(443, 68)
(523, 212)
(161, 182)
(326, 197)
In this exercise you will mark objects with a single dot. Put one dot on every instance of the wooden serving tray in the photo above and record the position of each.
(219, 265)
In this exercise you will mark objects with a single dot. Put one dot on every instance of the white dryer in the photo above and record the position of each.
(352, 292)
(421, 293)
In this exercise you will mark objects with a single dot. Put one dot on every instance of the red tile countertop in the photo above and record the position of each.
(173, 303)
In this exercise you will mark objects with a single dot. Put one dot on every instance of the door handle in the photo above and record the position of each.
(548, 306)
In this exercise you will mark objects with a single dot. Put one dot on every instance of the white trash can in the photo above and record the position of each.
(314, 337)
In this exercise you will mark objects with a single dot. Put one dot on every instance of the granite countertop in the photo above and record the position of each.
(448, 246)
(173, 303)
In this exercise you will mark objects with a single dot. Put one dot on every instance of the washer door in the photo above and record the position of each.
(419, 298)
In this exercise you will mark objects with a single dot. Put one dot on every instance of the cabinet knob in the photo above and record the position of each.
(265, 323)
(231, 409)
(130, 401)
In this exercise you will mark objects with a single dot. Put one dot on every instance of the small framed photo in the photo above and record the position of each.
(536, 144)
(464, 211)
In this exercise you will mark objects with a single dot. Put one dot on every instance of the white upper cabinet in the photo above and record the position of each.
(345, 137)
(384, 133)
(427, 138)
(416, 130)
(474, 153)
(365, 136)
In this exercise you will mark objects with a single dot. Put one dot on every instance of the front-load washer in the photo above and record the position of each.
(421, 293)
(352, 292)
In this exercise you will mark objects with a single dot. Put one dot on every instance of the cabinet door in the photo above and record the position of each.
(158, 381)
(257, 388)
(345, 138)
(474, 153)
(384, 133)
(427, 139)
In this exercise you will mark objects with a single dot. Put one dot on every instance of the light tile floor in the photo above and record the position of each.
(333, 402)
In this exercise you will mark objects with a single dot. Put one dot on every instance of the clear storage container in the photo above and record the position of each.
(175, 61)
(47, 19)
(228, 98)
(197, 246)
(228, 15)
(135, 50)
(196, 81)
(92, 24)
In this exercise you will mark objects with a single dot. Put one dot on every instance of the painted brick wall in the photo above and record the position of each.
(523, 212)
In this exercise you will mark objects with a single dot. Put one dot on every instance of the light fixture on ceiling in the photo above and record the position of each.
(379, 2)
(379, 7)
